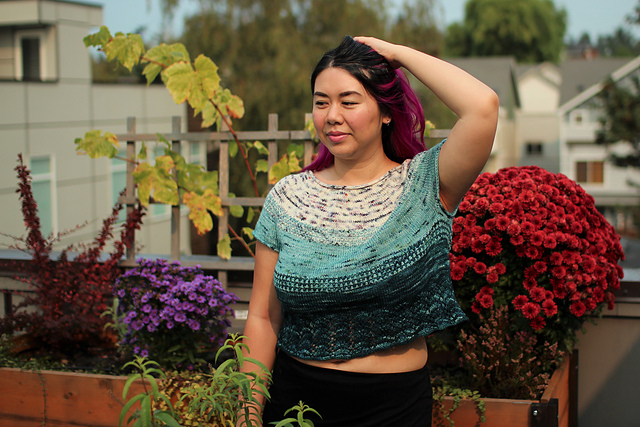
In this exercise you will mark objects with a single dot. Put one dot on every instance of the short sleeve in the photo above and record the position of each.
(266, 230)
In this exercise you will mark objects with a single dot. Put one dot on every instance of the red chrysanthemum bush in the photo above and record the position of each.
(534, 242)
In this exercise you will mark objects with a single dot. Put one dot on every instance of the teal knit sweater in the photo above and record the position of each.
(360, 268)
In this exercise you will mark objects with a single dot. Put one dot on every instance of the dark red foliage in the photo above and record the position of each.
(69, 292)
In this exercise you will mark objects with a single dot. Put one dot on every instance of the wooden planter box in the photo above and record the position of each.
(61, 398)
(556, 408)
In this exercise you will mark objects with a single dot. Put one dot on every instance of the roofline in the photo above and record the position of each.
(596, 88)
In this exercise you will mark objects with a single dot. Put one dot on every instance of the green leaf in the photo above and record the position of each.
(208, 78)
(261, 148)
(262, 165)
(248, 231)
(128, 405)
(236, 211)
(167, 419)
(235, 107)
(95, 144)
(233, 149)
(199, 207)
(250, 215)
(142, 155)
(101, 38)
(126, 49)
(224, 247)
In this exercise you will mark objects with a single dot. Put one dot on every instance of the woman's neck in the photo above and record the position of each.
(345, 172)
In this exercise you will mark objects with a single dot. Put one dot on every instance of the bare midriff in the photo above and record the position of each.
(402, 358)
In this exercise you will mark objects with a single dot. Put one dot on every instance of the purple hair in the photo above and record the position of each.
(403, 137)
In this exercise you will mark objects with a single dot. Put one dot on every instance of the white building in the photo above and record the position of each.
(47, 99)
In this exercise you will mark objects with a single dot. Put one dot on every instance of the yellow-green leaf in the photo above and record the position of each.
(209, 115)
(126, 49)
(158, 180)
(101, 38)
(235, 107)
(179, 81)
(208, 77)
(224, 247)
(199, 207)
(161, 57)
(294, 163)
(279, 170)
(95, 144)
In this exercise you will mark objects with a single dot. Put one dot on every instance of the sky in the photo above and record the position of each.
(596, 17)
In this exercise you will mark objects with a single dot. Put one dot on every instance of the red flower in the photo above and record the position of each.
(537, 239)
(485, 300)
(517, 240)
(537, 323)
(494, 248)
(480, 268)
(487, 290)
(556, 258)
(492, 277)
(577, 308)
(537, 293)
(550, 242)
(496, 208)
(502, 222)
(520, 301)
(550, 308)
(530, 310)
(500, 268)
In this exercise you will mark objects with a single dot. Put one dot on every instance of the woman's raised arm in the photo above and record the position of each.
(469, 144)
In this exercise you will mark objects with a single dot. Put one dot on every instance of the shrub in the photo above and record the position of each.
(69, 292)
(174, 314)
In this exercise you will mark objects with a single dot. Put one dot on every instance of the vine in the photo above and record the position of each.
(197, 83)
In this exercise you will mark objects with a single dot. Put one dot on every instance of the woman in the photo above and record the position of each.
(352, 268)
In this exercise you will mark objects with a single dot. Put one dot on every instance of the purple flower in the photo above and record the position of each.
(146, 308)
(144, 353)
(180, 317)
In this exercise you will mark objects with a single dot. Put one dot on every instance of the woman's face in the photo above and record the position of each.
(347, 118)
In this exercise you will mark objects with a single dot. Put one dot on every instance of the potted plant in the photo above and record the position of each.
(531, 261)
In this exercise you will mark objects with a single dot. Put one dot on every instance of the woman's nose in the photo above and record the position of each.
(333, 114)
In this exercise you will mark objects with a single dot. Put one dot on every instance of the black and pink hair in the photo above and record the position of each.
(403, 137)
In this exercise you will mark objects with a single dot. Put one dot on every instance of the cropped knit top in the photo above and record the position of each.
(360, 268)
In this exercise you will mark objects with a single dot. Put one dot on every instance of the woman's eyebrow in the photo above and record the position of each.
(341, 94)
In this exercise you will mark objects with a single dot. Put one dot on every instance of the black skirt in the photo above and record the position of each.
(349, 399)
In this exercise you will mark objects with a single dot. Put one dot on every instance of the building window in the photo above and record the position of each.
(43, 188)
(30, 47)
(590, 172)
(534, 148)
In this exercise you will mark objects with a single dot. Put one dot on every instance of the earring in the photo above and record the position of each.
(387, 123)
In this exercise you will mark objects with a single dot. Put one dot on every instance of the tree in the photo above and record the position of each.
(620, 43)
(529, 30)
(621, 120)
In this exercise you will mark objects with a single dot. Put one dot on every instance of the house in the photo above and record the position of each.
(615, 189)
(500, 74)
(47, 100)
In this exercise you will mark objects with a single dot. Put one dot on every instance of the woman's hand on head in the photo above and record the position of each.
(386, 49)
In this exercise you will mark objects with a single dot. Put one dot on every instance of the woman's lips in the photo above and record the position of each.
(337, 136)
